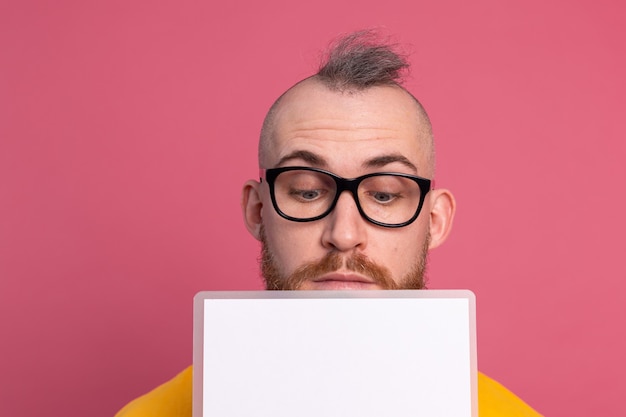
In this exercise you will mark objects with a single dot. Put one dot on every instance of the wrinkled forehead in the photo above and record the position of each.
(373, 122)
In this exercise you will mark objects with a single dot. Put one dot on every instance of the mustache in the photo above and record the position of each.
(333, 261)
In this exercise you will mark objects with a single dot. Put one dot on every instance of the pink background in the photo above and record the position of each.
(127, 128)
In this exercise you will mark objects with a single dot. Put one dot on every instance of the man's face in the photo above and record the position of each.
(350, 134)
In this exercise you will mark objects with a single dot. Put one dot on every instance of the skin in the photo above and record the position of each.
(349, 133)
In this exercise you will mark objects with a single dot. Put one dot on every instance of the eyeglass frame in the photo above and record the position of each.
(344, 184)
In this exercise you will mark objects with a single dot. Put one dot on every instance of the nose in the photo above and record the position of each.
(345, 229)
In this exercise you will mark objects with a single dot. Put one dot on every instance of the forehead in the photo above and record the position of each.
(346, 128)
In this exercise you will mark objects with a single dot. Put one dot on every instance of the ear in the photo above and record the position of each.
(442, 208)
(251, 205)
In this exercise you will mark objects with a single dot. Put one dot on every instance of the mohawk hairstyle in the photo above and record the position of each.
(361, 60)
(354, 63)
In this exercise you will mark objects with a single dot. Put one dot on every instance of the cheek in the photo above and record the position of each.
(398, 249)
(292, 244)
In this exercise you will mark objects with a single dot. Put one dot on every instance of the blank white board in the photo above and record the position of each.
(335, 353)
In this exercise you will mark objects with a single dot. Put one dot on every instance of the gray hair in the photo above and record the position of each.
(360, 60)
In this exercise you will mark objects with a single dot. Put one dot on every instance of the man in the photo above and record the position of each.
(346, 199)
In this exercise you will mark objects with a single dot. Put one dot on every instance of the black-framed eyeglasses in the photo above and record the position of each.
(305, 194)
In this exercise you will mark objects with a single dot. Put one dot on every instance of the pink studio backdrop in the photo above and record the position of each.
(128, 127)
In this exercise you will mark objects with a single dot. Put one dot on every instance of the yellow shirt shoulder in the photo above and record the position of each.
(173, 399)
(494, 400)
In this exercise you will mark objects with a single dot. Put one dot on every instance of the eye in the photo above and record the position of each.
(382, 197)
(306, 195)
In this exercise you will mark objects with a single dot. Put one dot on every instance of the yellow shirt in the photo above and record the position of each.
(173, 399)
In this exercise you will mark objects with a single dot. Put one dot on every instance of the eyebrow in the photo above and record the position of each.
(383, 160)
(305, 156)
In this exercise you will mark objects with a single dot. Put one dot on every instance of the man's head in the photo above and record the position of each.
(350, 120)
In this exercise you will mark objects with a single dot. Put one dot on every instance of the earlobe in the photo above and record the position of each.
(442, 210)
(251, 205)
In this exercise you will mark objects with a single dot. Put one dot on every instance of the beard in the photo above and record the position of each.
(333, 261)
